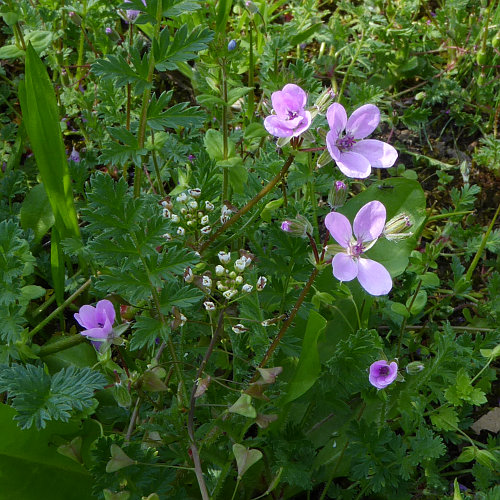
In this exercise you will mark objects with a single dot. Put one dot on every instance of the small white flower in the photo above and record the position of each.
(206, 229)
(183, 211)
(181, 231)
(247, 288)
(224, 257)
(246, 260)
(182, 198)
(204, 219)
(175, 218)
(223, 219)
(240, 265)
(190, 222)
(209, 206)
(209, 306)
(239, 280)
(183, 320)
(195, 193)
(221, 287)
(229, 294)
(166, 213)
(167, 236)
(219, 270)
(164, 204)
(261, 283)
(188, 275)
(206, 281)
(267, 322)
(193, 204)
(239, 328)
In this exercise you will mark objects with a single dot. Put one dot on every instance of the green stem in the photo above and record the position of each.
(141, 135)
(482, 246)
(60, 345)
(59, 309)
(235, 488)
(225, 133)
(405, 319)
(249, 205)
(353, 60)
(251, 94)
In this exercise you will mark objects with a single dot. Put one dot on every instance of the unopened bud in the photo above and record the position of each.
(240, 265)
(324, 159)
(299, 226)
(247, 288)
(75, 18)
(188, 275)
(112, 34)
(252, 8)
(231, 45)
(239, 280)
(261, 283)
(323, 102)
(219, 270)
(394, 228)
(175, 218)
(224, 257)
(337, 195)
(193, 204)
(414, 367)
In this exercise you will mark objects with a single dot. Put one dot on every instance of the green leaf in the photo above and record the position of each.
(243, 406)
(39, 40)
(36, 212)
(457, 495)
(179, 115)
(237, 93)
(127, 149)
(37, 397)
(255, 130)
(215, 146)
(418, 303)
(146, 331)
(446, 419)
(31, 453)
(119, 459)
(468, 454)
(245, 458)
(223, 10)
(309, 366)
(400, 309)
(179, 296)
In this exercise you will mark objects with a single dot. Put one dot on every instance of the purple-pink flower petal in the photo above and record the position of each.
(339, 227)
(382, 373)
(363, 121)
(86, 316)
(369, 221)
(105, 308)
(337, 118)
(345, 268)
(96, 333)
(275, 126)
(331, 144)
(296, 92)
(378, 153)
(353, 165)
(374, 277)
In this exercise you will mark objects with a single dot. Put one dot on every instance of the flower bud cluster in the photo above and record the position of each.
(397, 228)
(299, 226)
(188, 213)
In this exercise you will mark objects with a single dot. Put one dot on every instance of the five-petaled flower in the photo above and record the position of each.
(97, 321)
(383, 373)
(353, 154)
(347, 265)
(291, 119)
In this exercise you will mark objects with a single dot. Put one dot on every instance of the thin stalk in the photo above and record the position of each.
(251, 94)
(405, 319)
(59, 309)
(249, 205)
(81, 44)
(61, 345)
(353, 60)
(192, 406)
(133, 419)
(290, 319)
(157, 168)
(225, 133)
(482, 246)
(141, 137)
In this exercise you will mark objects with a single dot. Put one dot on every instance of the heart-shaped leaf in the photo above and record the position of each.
(245, 458)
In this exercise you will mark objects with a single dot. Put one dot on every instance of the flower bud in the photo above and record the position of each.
(324, 159)
(229, 294)
(261, 283)
(75, 18)
(112, 34)
(204, 220)
(167, 236)
(247, 288)
(188, 275)
(239, 280)
(323, 102)
(239, 328)
(231, 45)
(167, 203)
(252, 8)
(75, 155)
(219, 270)
(240, 265)
(183, 211)
(182, 198)
(414, 367)
(175, 218)
(394, 228)
(195, 193)
(299, 227)
(221, 286)
(337, 195)
(193, 204)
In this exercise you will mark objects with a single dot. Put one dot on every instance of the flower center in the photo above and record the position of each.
(100, 325)
(292, 115)
(345, 143)
(356, 249)
(383, 371)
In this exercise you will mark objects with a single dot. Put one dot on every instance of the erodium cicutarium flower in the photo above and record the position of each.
(290, 118)
(349, 264)
(354, 155)
(97, 321)
(383, 373)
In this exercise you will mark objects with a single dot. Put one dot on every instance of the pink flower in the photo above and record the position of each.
(290, 119)
(382, 373)
(368, 226)
(353, 154)
(97, 321)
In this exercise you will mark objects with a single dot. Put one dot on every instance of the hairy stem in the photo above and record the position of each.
(61, 345)
(249, 205)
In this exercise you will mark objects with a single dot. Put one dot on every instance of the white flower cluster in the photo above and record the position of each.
(190, 215)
